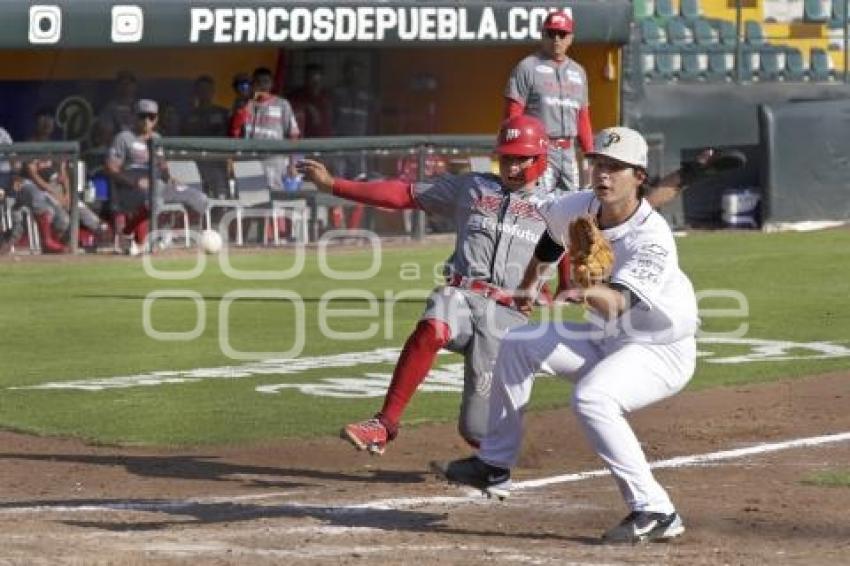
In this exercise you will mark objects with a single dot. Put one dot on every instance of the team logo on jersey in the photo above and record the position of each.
(545, 69)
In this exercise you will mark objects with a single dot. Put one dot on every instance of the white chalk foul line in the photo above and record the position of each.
(682, 461)
(473, 496)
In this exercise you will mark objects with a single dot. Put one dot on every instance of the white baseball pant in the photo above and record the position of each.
(611, 377)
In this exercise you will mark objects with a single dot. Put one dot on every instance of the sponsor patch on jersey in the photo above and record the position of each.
(555, 101)
(545, 69)
(574, 76)
(511, 229)
(274, 111)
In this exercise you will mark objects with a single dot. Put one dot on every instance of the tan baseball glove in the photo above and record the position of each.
(591, 256)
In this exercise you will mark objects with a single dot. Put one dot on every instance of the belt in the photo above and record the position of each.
(563, 143)
(479, 287)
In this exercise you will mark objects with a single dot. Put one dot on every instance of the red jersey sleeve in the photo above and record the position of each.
(513, 108)
(585, 130)
(393, 193)
(237, 122)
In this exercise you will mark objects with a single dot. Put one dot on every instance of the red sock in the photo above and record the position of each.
(137, 224)
(413, 365)
(356, 217)
(85, 238)
(337, 218)
(141, 231)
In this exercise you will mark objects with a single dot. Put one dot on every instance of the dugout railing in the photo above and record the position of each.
(378, 152)
(14, 156)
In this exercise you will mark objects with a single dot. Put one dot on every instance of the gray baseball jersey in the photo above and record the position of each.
(271, 119)
(497, 231)
(551, 92)
(132, 151)
(554, 93)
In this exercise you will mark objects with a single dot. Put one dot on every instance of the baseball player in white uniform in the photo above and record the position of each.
(637, 347)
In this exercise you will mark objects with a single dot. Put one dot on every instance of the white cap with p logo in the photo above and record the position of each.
(623, 144)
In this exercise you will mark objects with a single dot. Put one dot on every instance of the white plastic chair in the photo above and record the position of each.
(298, 213)
(187, 173)
(33, 237)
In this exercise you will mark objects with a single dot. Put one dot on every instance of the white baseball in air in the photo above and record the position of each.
(211, 241)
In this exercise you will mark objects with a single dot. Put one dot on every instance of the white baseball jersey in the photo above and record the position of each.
(645, 355)
(646, 263)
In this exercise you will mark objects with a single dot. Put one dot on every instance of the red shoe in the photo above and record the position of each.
(49, 244)
(368, 435)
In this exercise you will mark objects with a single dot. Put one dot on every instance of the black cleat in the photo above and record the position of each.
(643, 526)
(491, 480)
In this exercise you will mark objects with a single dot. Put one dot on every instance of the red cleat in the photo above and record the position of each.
(368, 435)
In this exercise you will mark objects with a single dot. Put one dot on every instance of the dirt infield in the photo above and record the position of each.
(319, 501)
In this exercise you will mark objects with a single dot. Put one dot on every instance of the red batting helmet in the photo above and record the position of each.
(525, 136)
(522, 135)
(558, 20)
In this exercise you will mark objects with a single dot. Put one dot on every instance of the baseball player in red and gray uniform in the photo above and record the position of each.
(497, 230)
(266, 117)
(553, 88)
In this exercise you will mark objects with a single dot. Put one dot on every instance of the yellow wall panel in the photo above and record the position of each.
(470, 84)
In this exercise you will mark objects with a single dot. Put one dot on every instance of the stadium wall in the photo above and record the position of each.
(806, 175)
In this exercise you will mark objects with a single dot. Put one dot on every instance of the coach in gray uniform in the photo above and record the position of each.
(497, 230)
(127, 165)
(266, 117)
(553, 88)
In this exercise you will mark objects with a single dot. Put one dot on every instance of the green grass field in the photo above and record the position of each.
(83, 320)
(832, 478)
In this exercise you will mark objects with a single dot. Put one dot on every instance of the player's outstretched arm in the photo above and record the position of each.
(394, 194)
(665, 190)
(672, 184)
(708, 162)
